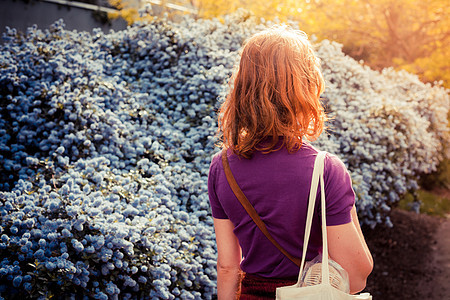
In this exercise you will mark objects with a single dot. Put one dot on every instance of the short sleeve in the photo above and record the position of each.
(339, 193)
(213, 178)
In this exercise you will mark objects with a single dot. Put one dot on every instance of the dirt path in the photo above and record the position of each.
(412, 259)
(441, 260)
(405, 258)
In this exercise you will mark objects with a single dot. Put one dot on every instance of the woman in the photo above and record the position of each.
(271, 113)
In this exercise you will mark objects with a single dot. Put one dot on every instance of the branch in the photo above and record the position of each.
(406, 49)
(371, 10)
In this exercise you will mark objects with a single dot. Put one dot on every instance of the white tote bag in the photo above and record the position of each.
(324, 290)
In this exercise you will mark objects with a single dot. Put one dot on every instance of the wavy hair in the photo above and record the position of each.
(274, 93)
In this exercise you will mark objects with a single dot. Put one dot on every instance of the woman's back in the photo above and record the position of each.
(277, 185)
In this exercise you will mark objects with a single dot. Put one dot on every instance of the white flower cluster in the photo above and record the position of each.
(388, 127)
(106, 140)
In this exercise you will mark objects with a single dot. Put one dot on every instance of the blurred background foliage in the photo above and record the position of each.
(413, 35)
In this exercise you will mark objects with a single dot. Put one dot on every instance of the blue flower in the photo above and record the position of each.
(77, 245)
(17, 281)
(39, 254)
(14, 229)
(5, 238)
(28, 286)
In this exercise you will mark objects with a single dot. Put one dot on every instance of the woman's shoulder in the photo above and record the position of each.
(335, 168)
(216, 157)
(332, 161)
(216, 161)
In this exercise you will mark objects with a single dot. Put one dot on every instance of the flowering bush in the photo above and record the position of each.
(106, 140)
(388, 127)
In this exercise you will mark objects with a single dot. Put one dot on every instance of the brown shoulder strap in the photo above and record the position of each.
(250, 209)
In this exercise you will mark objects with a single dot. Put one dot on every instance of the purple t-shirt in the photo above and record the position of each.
(277, 185)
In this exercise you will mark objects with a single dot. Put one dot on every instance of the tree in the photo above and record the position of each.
(409, 34)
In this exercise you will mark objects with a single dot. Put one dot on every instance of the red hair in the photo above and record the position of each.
(276, 92)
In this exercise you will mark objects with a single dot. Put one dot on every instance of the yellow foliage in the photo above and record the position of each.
(213, 9)
(127, 11)
(435, 67)
(410, 34)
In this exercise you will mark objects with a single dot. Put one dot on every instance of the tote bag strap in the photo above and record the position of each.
(317, 177)
(250, 209)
